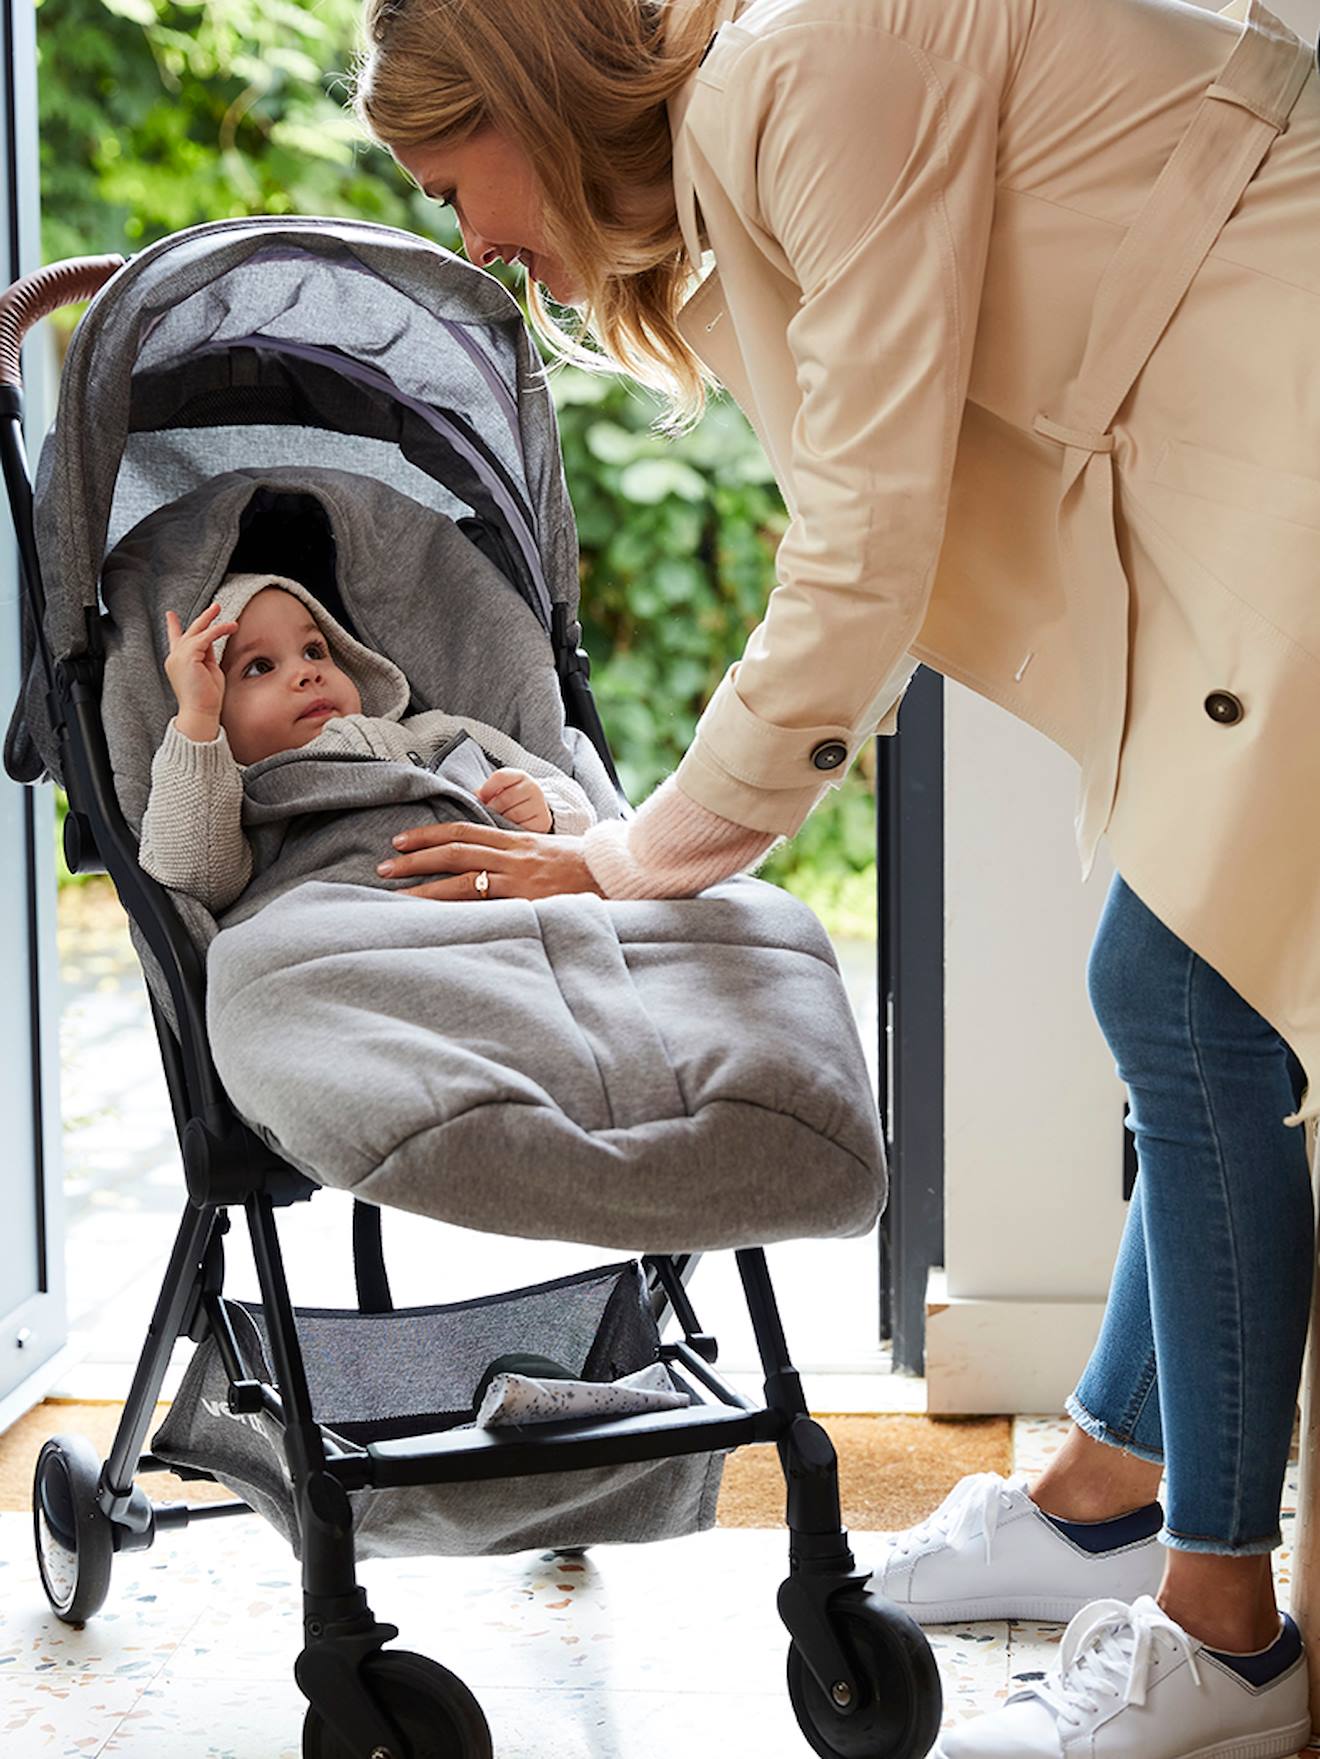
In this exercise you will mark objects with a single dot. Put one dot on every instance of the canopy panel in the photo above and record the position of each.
(293, 342)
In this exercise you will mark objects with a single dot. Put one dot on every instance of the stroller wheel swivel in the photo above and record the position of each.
(433, 1710)
(902, 1703)
(75, 1540)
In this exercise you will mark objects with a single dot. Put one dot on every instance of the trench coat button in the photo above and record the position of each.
(1223, 706)
(829, 755)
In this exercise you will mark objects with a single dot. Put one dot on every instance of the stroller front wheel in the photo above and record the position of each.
(75, 1540)
(436, 1714)
(902, 1701)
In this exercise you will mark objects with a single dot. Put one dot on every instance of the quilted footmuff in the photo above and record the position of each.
(657, 1075)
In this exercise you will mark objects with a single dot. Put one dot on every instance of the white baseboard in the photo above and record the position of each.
(40, 1384)
(1004, 1355)
(833, 1393)
(836, 1394)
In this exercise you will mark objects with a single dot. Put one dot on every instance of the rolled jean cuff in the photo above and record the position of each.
(1217, 1547)
(1100, 1431)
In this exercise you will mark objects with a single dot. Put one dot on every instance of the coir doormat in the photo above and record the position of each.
(892, 1470)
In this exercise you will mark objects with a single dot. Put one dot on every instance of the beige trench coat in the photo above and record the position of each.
(1084, 481)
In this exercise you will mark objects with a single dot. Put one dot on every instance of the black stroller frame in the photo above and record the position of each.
(860, 1673)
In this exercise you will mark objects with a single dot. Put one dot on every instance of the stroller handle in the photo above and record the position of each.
(35, 296)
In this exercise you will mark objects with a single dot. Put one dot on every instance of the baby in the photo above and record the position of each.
(266, 669)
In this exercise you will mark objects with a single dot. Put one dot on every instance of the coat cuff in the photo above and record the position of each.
(757, 773)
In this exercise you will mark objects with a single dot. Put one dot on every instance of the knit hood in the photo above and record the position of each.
(384, 690)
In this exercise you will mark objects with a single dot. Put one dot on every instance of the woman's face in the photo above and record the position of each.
(497, 198)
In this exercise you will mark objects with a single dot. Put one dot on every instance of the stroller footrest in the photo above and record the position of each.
(456, 1455)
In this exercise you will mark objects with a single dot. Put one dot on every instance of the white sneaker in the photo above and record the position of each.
(989, 1553)
(1131, 1684)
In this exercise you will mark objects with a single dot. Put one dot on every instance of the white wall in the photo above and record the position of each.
(1033, 1107)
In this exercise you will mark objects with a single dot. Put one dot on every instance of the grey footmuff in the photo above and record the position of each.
(671, 1075)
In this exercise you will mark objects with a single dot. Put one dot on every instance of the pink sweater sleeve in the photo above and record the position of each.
(671, 848)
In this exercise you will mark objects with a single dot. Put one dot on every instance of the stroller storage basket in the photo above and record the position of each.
(414, 1371)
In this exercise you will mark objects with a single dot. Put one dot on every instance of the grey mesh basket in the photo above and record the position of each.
(386, 1376)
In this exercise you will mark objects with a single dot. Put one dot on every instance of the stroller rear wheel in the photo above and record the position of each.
(75, 1540)
(902, 1701)
(433, 1710)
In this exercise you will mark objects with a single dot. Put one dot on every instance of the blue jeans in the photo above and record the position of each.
(1200, 1353)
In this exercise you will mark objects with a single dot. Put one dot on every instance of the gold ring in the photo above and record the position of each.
(483, 883)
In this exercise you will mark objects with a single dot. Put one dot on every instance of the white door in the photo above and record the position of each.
(32, 1307)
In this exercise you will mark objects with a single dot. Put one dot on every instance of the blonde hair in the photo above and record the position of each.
(580, 86)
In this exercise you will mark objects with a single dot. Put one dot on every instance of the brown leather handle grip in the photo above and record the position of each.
(35, 296)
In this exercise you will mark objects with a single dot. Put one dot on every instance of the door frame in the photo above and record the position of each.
(910, 950)
(38, 1326)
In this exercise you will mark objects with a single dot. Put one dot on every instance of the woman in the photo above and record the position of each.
(1021, 298)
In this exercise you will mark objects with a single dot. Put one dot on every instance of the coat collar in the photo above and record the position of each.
(685, 195)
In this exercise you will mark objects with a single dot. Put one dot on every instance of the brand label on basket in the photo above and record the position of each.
(250, 1419)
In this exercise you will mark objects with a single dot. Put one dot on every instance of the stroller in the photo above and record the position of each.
(286, 379)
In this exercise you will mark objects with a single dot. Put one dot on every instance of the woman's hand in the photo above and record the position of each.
(519, 864)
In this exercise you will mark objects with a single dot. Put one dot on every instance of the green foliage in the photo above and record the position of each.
(161, 114)
(678, 541)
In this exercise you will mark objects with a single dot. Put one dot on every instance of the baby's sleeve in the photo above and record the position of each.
(572, 813)
(192, 834)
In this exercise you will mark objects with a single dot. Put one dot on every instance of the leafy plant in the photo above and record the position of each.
(678, 542)
(160, 114)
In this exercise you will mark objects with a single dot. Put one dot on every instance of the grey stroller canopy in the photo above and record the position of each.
(254, 343)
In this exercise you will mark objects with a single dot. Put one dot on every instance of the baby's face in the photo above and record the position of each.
(281, 686)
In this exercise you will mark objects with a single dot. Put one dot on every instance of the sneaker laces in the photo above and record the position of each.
(972, 1506)
(1107, 1653)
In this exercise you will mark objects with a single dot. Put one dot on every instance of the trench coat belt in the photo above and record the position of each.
(1233, 128)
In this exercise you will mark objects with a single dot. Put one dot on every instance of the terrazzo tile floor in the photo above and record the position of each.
(632, 1652)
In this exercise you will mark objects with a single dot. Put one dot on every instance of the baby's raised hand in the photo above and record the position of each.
(192, 668)
(515, 796)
